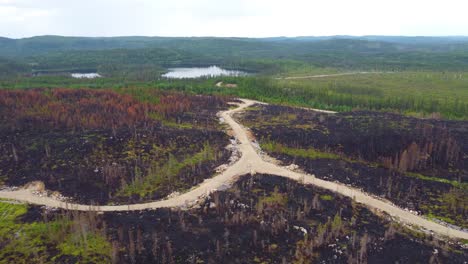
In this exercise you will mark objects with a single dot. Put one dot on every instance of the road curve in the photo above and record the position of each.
(250, 162)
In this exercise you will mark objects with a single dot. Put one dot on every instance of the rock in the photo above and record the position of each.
(173, 194)
(37, 186)
(221, 168)
(302, 229)
(292, 167)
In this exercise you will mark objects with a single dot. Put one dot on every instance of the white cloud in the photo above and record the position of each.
(253, 18)
(18, 15)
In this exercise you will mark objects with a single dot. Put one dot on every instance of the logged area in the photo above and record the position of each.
(262, 218)
(100, 146)
(418, 164)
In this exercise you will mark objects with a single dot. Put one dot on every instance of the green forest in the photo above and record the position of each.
(418, 76)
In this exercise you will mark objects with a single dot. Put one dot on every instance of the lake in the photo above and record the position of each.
(91, 75)
(197, 72)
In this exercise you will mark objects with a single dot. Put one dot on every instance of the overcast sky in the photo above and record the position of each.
(246, 18)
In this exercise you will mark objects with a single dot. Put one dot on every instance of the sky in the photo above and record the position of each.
(233, 18)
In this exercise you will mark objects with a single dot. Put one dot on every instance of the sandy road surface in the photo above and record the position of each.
(326, 75)
(250, 162)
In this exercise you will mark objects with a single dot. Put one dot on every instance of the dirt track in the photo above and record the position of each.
(250, 162)
(325, 75)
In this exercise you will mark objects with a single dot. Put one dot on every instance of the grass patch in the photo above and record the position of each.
(276, 198)
(451, 208)
(253, 108)
(433, 216)
(158, 175)
(326, 197)
(309, 153)
(455, 184)
(170, 122)
(92, 248)
(38, 242)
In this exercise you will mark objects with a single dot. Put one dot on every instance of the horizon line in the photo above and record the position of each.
(241, 37)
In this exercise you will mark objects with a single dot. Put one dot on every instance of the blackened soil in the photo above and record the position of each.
(423, 196)
(382, 153)
(91, 155)
(432, 147)
(261, 219)
(245, 225)
(91, 166)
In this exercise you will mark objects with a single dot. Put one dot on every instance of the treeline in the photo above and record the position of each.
(342, 52)
(448, 104)
(11, 68)
(325, 96)
(117, 57)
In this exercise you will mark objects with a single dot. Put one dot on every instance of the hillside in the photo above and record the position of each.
(382, 53)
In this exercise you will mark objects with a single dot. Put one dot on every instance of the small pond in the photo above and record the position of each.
(196, 72)
(90, 75)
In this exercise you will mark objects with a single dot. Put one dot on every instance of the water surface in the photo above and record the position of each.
(90, 75)
(197, 72)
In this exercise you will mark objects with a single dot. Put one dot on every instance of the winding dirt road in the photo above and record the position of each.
(250, 162)
(326, 75)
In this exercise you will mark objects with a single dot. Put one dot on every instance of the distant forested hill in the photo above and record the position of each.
(263, 46)
(263, 55)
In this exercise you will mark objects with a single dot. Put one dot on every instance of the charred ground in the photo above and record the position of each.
(419, 164)
(262, 218)
(100, 146)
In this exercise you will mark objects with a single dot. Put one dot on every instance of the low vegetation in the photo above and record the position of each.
(24, 235)
(310, 153)
(165, 175)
